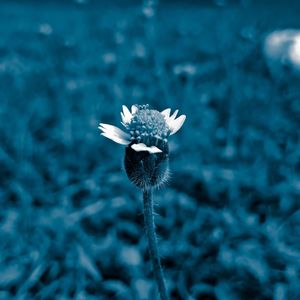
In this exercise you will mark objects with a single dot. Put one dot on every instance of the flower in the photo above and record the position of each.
(282, 53)
(145, 135)
(144, 127)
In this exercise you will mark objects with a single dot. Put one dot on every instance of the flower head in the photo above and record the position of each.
(145, 135)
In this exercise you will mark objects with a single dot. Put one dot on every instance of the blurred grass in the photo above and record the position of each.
(71, 224)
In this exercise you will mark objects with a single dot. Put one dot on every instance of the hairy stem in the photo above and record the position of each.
(152, 244)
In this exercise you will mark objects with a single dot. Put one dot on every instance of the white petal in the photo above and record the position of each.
(123, 118)
(175, 125)
(154, 149)
(124, 125)
(115, 139)
(126, 114)
(134, 109)
(166, 113)
(143, 147)
(106, 128)
(172, 118)
(139, 147)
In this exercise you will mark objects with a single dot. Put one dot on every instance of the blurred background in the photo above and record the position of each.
(71, 224)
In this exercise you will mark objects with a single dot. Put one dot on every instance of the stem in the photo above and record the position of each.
(152, 244)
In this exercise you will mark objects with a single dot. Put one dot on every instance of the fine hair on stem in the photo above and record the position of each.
(152, 243)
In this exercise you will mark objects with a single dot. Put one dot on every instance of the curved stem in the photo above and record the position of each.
(152, 244)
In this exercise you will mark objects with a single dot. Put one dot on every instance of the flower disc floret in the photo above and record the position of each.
(147, 125)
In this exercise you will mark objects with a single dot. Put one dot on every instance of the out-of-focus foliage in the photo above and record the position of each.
(71, 225)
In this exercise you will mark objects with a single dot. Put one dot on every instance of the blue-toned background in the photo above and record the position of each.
(71, 224)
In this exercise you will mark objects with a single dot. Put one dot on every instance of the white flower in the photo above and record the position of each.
(145, 128)
(282, 52)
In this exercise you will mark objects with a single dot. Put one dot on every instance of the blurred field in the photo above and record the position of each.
(71, 224)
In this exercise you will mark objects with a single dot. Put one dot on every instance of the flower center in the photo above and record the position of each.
(148, 126)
